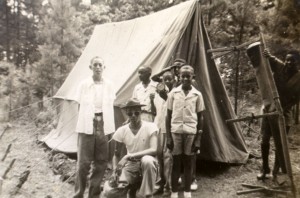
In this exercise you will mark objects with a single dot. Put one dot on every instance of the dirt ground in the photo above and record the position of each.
(44, 180)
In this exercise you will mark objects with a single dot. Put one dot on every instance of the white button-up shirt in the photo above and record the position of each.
(143, 95)
(184, 110)
(85, 96)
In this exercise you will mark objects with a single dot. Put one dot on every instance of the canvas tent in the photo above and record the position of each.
(154, 40)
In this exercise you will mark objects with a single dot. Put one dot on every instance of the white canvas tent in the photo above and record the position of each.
(154, 40)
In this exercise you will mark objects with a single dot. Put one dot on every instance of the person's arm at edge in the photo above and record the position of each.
(199, 130)
(152, 105)
(274, 61)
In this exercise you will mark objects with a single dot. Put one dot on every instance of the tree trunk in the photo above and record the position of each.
(7, 31)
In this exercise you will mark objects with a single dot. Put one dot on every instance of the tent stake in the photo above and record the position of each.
(6, 152)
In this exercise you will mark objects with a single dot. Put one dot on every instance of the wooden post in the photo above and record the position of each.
(1, 182)
(8, 168)
(271, 103)
(5, 129)
(297, 114)
(281, 122)
(6, 152)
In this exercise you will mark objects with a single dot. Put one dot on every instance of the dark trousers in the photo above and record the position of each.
(92, 153)
(266, 130)
(178, 161)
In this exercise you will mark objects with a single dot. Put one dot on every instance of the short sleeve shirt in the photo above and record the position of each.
(138, 142)
(143, 94)
(85, 96)
(184, 110)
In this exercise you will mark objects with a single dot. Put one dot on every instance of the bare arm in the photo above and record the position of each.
(199, 128)
(153, 107)
(168, 122)
(274, 61)
(170, 143)
(117, 154)
(200, 121)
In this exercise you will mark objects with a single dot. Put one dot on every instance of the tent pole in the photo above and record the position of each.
(281, 123)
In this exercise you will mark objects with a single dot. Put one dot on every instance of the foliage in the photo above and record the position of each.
(18, 41)
(283, 30)
(60, 35)
(44, 40)
(230, 23)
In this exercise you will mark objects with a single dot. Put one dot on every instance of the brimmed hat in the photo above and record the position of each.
(132, 102)
(179, 63)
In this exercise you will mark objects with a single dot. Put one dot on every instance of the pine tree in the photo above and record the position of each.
(60, 35)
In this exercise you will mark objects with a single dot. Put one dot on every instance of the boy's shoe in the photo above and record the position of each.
(158, 190)
(187, 194)
(167, 193)
(264, 175)
(174, 195)
(194, 185)
(179, 180)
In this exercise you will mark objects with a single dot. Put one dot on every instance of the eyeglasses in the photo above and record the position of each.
(136, 113)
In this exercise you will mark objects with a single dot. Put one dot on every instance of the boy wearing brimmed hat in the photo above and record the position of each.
(139, 165)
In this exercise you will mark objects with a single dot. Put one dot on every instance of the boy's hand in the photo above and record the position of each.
(123, 161)
(152, 96)
(196, 147)
(163, 94)
(197, 142)
(266, 53)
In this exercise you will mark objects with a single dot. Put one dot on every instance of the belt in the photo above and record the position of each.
(134, 159)
(98, 116)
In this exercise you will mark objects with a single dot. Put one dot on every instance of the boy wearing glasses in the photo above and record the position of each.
(184, 122)
(139, 166)
(95, 120)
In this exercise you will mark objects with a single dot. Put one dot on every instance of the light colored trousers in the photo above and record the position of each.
(165, 160)
(142, 173)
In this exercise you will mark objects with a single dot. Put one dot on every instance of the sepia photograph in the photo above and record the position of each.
(149, 98)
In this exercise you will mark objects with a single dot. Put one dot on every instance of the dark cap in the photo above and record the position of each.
(178, 62)
(132, 102)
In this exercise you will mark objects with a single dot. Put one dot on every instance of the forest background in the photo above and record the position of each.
(40, 42)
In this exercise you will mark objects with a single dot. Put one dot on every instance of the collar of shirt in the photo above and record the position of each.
(151, 84)
(91, 82)
(193, 91)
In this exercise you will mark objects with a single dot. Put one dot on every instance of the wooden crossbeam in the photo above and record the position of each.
(227, 50)
(257, 188)
(252, 117)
